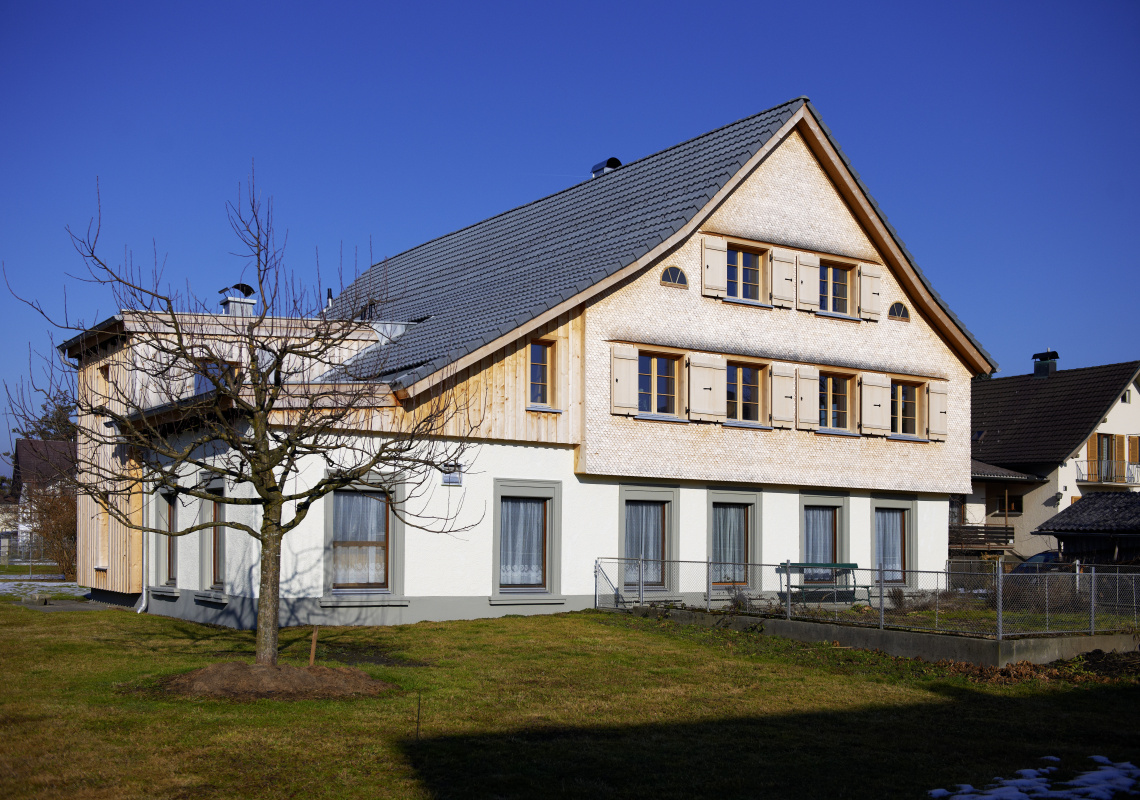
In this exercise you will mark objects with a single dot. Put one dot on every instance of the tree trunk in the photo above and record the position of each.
(269, 599)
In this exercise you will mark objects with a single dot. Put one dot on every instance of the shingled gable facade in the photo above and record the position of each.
(729, 324)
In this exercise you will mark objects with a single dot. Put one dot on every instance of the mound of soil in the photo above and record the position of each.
(235, 680)
(1096, 666)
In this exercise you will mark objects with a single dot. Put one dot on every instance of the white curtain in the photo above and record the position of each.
(729, 543)
(522, 533)
(819, 540)
(360, 539)
(889, 542)
(645, 538)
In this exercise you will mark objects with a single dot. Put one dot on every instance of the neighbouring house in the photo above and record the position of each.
(1042, 441)
(720, 351)
(1103, 528)
(40, 464)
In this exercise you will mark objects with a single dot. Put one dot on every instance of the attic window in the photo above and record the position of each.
(1127, 396)
(673, 276)
(978, 436)
(368, 311)
(898, 311)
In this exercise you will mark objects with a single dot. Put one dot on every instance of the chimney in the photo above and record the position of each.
(602, 167)
(235, 306)
(1045, 364)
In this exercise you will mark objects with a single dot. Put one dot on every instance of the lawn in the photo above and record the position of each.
(587, 704)
(36, 569)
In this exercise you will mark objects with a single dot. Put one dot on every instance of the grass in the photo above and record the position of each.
(586, 704)
(22, 569)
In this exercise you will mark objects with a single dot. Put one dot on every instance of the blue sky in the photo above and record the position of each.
(999, 138)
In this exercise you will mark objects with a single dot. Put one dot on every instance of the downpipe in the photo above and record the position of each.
(145, 565)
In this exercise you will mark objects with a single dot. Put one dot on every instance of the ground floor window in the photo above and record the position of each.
(522, 543)
(890, 543)
(360, 540)
(821, 533)
(730, 543)
(645, 540)
(169, 521)
(217, 539)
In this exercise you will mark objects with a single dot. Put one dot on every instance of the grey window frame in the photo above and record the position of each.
(736, 497)
(671, 496)
(164, 583)
(551, 492)
(839, 500)
(909, 504)
(394, 594)
(209, 590)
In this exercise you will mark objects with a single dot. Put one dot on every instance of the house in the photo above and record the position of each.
(720, 351)
(1043, 440)
(1103, 528)
(38, 464)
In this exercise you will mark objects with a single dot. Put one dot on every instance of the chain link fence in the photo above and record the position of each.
(1085, 599)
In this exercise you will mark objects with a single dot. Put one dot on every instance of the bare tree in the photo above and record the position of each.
(52, 515)
(272, 399)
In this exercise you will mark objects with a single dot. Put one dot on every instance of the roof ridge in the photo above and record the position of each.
(1133, 364)
(802, 98)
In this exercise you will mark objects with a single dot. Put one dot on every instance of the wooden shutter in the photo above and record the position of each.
(783, 395)
(623, 380)
(808, 382)
(783, 278)
(1091, 471)
(809, 282)
(870, 280)
(714, 279)
(708, 383)
(876, 404)
(1119, 468)
(1134, 449)
(936, 407)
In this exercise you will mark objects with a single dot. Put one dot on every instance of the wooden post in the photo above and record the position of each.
(313, 648)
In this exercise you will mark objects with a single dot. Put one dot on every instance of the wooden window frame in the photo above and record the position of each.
(545, 584)
(897, 405)
(731, 406)
(654, 377)
(763, 296)
(387, 583)
(905, 317)
(827, 270)
(825, 405)
(683, 283)
(1016, 504)
(547, 348)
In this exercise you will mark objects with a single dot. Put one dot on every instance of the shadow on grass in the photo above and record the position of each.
(884, 751)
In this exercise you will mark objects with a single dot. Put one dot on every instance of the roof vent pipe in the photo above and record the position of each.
(1045, 364)
(602, 167)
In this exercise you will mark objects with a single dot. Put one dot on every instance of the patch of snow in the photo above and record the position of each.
(26, 588)
(1107, 781)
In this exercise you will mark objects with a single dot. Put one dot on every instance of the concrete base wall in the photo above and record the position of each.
(241, 612)
(909, 644)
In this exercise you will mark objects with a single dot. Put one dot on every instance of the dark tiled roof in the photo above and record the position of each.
(989, 471)
(474, 285)
(41, 462)
(1030, 420)
(1098, 512)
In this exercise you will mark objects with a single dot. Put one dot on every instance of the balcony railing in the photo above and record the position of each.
(981, 537)
(1106, 471)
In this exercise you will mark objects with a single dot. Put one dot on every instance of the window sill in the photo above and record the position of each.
(661, 418)
(742, 302)
(101, 569)
(544, 409)
(902, 437)
(358, 600)
(164, 591)
(836, 432)
(756, 426)
(831, 315)
(526, 599)
(212, 596)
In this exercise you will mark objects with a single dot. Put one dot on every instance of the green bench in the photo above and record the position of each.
(836, 590)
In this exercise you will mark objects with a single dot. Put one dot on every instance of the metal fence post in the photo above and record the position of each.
(1092, 600)
(641, 581)
(596, 568)
(708, 586)
(882, 607)
(1000, 579)
(788, 586)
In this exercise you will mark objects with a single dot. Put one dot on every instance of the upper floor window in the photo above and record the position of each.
(745, 274)
(904, 408)
(833, 394)
(656, 384)
(1127, 396)
(899, 311)
(743, 392)
(673, 276)
(834, 288)
(540, 373)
